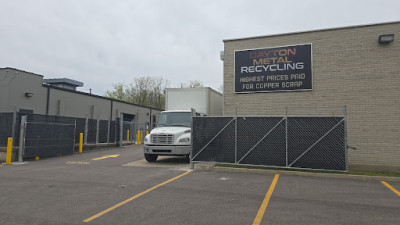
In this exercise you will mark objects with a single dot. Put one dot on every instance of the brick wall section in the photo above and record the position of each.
(350, 68)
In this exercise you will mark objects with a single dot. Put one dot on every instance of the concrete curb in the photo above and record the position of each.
(215, 167)
(14, 164)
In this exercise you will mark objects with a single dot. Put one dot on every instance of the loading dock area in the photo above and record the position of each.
(123, 187)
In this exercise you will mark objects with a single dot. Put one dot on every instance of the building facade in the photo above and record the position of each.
(28, 92)
(351, 70)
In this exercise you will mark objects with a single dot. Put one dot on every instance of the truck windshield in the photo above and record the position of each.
(182, 119)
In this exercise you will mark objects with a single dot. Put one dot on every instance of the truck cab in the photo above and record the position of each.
(171, 136)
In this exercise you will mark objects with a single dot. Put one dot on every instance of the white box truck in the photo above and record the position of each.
(172, 136)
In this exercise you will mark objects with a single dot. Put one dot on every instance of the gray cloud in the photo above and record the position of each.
(100, 42)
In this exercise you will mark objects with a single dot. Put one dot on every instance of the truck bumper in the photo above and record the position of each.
(167, 150)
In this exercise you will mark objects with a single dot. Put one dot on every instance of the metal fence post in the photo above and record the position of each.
(115, 131)
(236, 136)
(108, 131)
(345, 137)
(286, 134)
(21, 138)
(132, 131)
(97, 131)
(86, 129)
(121, 129)
(73, 145)
(14, 124)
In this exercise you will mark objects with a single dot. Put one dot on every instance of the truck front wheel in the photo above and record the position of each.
(150, 157)
(188, 157)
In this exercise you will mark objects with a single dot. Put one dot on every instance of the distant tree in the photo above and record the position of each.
(192, 84)
(145, 91)
(119, 92)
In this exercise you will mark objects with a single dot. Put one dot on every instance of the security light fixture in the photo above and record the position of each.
(28, 94)
(385, 38)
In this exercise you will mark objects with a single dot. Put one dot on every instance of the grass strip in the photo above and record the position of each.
(350, 172)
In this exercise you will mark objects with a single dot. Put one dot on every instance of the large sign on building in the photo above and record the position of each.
(287, 68)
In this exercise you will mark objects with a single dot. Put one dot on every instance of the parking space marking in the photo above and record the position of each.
(80, 163)
(106, 156)
(391, 188)
(264, 204)
(134, 197)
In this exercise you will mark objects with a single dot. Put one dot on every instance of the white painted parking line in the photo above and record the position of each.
(79, 163)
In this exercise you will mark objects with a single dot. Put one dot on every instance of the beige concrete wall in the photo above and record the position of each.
(15, 83)
(64, 103)
(141, 114)
(78, 105)
(349, 68)
(13, 86)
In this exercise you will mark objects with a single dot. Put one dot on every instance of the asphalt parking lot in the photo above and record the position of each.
(117, 186)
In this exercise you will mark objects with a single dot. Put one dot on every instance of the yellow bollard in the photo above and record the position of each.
(147, 132)
(36, 157)
(80, 142)
(127, 136)
(138, 138)
(9, 151)
(141, 136)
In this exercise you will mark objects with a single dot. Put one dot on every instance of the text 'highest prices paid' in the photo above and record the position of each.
(272, 81)
(273, 69)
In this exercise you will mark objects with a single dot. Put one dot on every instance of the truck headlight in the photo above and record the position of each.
(184, 140)
(146, 139)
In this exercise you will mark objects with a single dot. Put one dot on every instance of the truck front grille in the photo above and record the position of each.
(162, 138)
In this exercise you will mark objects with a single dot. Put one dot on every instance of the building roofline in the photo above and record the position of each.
(199, 88)
(68, 81)
(96, 96)
(78, 92)
(10, 68)
(310, 31)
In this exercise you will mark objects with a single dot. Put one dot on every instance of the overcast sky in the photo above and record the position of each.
(101, 42)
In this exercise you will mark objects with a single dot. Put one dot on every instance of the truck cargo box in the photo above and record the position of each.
(203, 100)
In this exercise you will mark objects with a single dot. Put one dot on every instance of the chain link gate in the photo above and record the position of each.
(289, 142)
(48, 139)
(49, 135)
